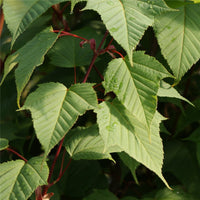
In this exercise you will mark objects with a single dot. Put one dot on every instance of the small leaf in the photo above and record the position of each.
(136, 87)
(166, 90)
(21, 13)
(29, 57)
(131, 163)
(20, 179)
(127, 20)
(122, 131)
(178, 35)
(101, 195)
(86, 143)
(3, 143)
(55, 109)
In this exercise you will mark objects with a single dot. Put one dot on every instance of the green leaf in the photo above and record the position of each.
(74, 2)
(137, 86)
(131, 163)
(29, 57)
(55, 109)
(3, 143)
(67, 51)
(127, 20)
(86, 143)
(122, 131)
(20, 179)
(178, 35)
(21, 13)
(166, 90)
(101, 195)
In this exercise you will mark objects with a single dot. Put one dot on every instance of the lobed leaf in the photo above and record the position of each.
(21, 13)
(122, 131)
(86, 143)
(178, 35)
(127, 20)
(28, 58)
(137, 86)
(20, 179)
(55, 109)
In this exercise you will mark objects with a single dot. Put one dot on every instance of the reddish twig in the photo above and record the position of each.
(96, 54)
(63, 33)
(115, 51)
(20, 156)
(99, 73)
(1, 21)
(60, 176)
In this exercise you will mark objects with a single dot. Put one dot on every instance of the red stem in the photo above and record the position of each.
(96, 54)
(1, 21)
(60, 176)
(63, 33)
(115, 51)
(13, 151)
(99, 73)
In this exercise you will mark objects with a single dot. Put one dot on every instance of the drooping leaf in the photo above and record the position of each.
(178, 35)
(21, 13)
(101, 195)
(3, 143)
(86, 143)
(122, 131)
(55, 109)
(67, 51)
(127, 20)
(137, 86)
(131, 163)
(166, 90)
(20, 179)
(29, 57)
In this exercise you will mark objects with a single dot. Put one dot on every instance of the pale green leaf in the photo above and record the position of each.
(122, 131)
(86, 143)
(137, 86)
(131, 163)
(20, 179)
(55, 109)
(127, 20)
(28, 58)
(166, 90)
(178, 35)
(3, 143)
(21, 13)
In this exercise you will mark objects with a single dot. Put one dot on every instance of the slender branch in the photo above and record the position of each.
(63, 33)
(13, 151)
(74, 74)
(60, 176)
(99, 73)
(96, 54)
(1, 21)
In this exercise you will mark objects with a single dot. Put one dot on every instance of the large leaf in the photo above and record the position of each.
(86, 143)
(20, 179)
(67, 51)
(55, 109)
(137, 86)
(178, 35)
(122, 131)
(127, 20)
(21, 13)
(29, 57)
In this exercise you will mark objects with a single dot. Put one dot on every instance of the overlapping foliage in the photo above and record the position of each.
(63, 109)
